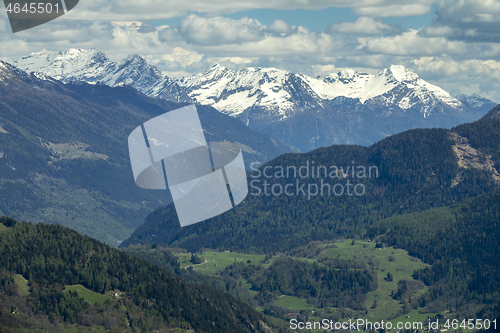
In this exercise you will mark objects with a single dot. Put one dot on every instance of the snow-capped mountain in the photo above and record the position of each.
(370, 106)
(475, 101)
(279, 92)
(395, 86)
(92, 66)
(284, 93)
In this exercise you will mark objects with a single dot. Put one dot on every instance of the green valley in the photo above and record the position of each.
(357, 253)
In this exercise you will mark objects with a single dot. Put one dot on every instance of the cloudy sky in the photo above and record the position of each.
(452, 43)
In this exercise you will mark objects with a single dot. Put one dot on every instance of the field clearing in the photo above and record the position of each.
(22, 285)
(218, 261)
(248, 286)
(88, 295)
(72, 150)
(294, 303)
(397, 262)
(413, 316)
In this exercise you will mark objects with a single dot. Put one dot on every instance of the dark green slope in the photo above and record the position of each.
(462, 243)
(418, 170)
(51, 257)
(493, 113)
(89, 187)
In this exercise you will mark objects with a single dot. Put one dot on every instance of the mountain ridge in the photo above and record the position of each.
(419, 169)
(74, 64)
(369, 107)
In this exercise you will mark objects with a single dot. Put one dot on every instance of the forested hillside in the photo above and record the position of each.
(461, 242)
(142, 297)
(415, 171)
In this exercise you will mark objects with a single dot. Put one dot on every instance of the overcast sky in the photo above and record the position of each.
(452, 43)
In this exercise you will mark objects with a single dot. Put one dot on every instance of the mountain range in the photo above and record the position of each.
(64, 156)
(347, 107)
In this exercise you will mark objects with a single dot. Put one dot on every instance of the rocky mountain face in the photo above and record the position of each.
(347, 107)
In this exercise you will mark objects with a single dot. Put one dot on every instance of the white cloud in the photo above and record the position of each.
(363, 25)
(413, 44)
(219, 30)
(163, 9)
(279, 27)
(469, 20)
(468, 76)
(468, 70)
(182, 56)
(299, 44)
(398, 9)
(408, 44)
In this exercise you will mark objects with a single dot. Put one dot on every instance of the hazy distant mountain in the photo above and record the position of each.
(306, 112)
(93, 66)
(283, 94)
(64, 155)
(476, 102)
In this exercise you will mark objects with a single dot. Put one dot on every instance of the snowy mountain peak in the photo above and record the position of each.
(347, 74)
(399, 73)
(264, 74)
(474, 100)
(5, 71)
(78, 53)
(216, 72)
(89, 65)
(11, 75)
(134, 59)
(216, 67)
(135, 71)
(343, 107)
(92, 66)
(62, 59)
(135, 65)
